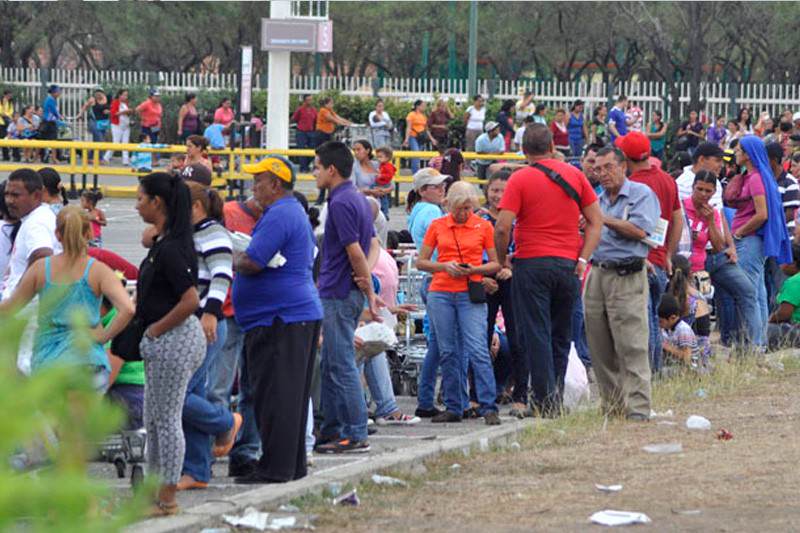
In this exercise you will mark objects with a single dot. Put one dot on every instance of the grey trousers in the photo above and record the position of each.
(169, 363)
(615, 308)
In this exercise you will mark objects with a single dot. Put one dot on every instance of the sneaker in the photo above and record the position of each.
(371, 430)
(444, 417)
(427, 413)
(370, 422)
(322, 441)
(344, 446)
(492, 418)
(400, 420)
(309, 459)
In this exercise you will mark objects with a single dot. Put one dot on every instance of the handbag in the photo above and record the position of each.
(126, 344)
(477, 294)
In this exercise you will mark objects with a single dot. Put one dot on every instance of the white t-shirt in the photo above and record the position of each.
(383, 122)
(124, 120)
(476, 118)
(38, 230)
(685, 184)
(518, 137)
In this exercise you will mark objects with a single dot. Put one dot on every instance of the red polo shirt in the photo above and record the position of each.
(547, 219)
(666, 190)
(306, 118)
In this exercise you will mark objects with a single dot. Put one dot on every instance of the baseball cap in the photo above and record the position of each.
(279, 166)
(428, 176)
(635, 145)
(707, 149)
(796, 117)
(490, 126)
(155, 92)
(54, 89)
(197, 172)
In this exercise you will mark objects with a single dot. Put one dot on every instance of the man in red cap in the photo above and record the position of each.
(636, 147)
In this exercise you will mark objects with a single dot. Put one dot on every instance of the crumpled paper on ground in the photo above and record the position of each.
(619, 518)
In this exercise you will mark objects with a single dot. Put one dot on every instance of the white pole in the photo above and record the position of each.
(279, 82)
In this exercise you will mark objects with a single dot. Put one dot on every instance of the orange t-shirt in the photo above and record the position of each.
(151, 114)
(474, 237)
(324, 122)
(417, 122)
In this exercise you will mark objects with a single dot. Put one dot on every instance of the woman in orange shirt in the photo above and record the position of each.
(327, 120)
(461, 238)
(417, 134)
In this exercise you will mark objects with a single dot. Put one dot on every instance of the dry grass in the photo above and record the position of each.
(740, 485)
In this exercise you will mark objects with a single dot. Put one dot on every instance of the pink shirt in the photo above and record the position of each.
(753, 186)
(223, 116)
(385, 270)
(699, 229)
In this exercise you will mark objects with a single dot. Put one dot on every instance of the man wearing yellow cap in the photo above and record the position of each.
(280, 312)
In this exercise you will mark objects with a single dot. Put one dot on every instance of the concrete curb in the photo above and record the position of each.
(200, 516)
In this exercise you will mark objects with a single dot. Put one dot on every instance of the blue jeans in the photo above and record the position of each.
(751, 260)
(733, 285)
(248, 442)
(430, 366)
(545, 289)
(201, 418)
(342, 400)
(579, 332)
(413, 145)
(376, 370)
(657, 281)
(774, 278)
(446, 310)
(305, 139)
(222, 371)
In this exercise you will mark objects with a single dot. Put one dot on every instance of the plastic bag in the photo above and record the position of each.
(377, 338)
(576, 383)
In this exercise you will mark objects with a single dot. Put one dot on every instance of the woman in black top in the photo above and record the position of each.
(173, 346)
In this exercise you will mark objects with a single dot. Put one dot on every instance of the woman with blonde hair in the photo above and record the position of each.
(456, 296)
(71, 287)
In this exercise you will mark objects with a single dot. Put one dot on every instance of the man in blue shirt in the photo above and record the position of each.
(50, 119)
(616, 293)
(617, 122)
(344, 282)
(215, 134)
(490, 142)
(279, 309)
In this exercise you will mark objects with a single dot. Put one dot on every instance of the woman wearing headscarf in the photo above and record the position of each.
(757, 235)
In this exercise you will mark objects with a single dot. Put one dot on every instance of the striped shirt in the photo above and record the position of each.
(214, 265)
(790, 196)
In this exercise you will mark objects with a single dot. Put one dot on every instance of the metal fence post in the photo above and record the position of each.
(733, 91)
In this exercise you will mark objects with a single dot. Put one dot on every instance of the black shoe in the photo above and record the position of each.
(471, 413)
(254, 478)
(241, 469)
(427, 413)
(491, 418)
(322, 441)
(344, 446)
(445, 416)
(371, 430)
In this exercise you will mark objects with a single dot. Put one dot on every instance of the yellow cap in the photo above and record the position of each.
(276, 165)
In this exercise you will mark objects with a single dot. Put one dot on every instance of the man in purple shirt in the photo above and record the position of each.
(344, 281)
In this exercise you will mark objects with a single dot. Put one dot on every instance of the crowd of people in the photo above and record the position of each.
(610, 254)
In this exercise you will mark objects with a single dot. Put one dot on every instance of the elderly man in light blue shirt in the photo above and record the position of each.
(616, 292)
(490, 142)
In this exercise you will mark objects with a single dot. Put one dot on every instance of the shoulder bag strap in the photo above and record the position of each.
(560, 181)
(460, 257)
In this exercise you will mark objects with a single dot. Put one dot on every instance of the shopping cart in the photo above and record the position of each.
(405, 361)
(353, 132)
(128, 448)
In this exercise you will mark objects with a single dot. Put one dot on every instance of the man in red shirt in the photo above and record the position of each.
(636, 147)
(547, 200)
(305, 117)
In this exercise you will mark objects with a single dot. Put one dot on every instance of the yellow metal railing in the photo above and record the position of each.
(84, 158)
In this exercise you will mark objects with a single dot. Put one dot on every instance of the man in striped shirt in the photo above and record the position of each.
(790, 198)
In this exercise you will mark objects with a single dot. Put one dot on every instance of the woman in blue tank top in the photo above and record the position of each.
(70, 287)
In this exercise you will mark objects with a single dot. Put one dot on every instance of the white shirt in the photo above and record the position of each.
(685, 184)
(38, 230)
(383, 122)
(5, 245)
(476, 118)
(518, 138)
(124, 120)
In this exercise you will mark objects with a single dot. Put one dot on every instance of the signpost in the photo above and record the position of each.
(246, 81)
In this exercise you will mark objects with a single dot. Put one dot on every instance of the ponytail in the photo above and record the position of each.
(411, 199)
(176, 198)
(679, 282)
(209, 198)
(73, 226)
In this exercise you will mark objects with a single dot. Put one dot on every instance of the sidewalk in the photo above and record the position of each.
(395, 448)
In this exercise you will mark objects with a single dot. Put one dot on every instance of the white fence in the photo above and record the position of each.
(719, 98)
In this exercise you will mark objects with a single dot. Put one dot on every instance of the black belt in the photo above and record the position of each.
(623, 267)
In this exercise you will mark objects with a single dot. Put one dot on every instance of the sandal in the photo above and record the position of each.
(163, 509)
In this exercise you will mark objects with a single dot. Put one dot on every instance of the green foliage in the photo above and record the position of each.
(58, 496)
